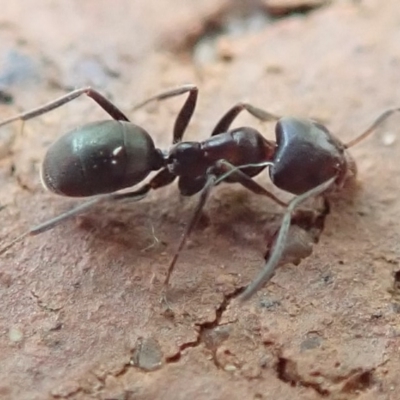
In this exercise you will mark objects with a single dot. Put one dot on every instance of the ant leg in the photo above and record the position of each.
(245, 180)
(382, 118)
(163, 178)
(227, 119)
(105, 104)
(279, 245)
(53, 222)
(211, 179)
(185, 114)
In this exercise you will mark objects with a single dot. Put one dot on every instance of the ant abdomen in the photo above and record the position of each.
(100, 157)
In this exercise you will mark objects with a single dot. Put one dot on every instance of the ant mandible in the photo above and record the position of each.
(103, 157)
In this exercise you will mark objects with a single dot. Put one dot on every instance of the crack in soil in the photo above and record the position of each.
(312, 224)
(286, 370)
(206, 327)
(43, 305)
(353, 383)
(233, 15)
(202, 328)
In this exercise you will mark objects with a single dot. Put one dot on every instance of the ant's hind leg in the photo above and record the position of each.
(278, 248)
(105, 104)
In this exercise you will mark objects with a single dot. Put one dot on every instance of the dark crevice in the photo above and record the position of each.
(238, 18)
(13, 169)
(305, 7)
(206, 327)
(286, 369)
(22, 185)
(287, 372)
(311, 222)
(43, 305)
(209, 326)
(221, 309)
(6, 97)
(354, 382)
(71, 394)
(176, 357)
(359, 381)
(395, 291)
(397, 276)
(306, 228)
(396, 282)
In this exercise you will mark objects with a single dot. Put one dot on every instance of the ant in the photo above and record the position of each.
(100, 158)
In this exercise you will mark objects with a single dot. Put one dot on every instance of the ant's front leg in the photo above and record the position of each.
(279, 244)
(185, 114)
(226, 120)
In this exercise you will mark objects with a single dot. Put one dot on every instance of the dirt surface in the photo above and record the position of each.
(80, 316)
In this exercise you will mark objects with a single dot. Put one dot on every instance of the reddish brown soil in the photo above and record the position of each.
(79, 306)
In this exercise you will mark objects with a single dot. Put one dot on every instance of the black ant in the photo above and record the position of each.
(100, 158)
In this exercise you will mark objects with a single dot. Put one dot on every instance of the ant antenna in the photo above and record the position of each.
(380, 120)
